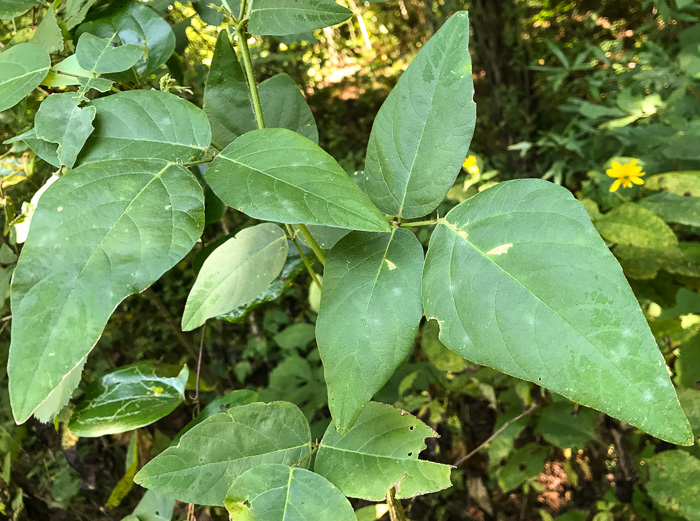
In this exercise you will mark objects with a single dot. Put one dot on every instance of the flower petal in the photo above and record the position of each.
(615, 185)
(637, 180)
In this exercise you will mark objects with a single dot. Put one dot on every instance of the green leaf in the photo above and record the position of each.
(282, 493)
(673, 483)
(48, 35)
(134, 23)
(674, 208)
(127, 223)
(284, 106)
(683, 145)
(105, 55)
(690, 400)
(687, 365)
(200, 468)
(230, 111)
(294, 380)
(292, 268)
(681, 183)
(370, 311)
(7, 256)
(214, 16)
(75, 12)
(235, 273)
(13, 8)
(126, 399)
(378, 452)
(296, 336)
(219, 405)
(153, 507)
(69, 72)
(439, 355)
(59, 397)
(422, 131)
(293, 182)
(44, 149)
(61, 120)
(520, 281)
(523, 464)
(281, 17)
(126, 482)
(22, 68)
(643, 241)
(226, 100)
(147, 124)
(372, 512)
(564, 427)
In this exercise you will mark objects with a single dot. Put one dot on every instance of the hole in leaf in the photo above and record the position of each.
(410, 454)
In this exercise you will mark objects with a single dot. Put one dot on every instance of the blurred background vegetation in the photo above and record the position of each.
(563, 89)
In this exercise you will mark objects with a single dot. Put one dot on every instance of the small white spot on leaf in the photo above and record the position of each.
(500, 250)
(390, 264)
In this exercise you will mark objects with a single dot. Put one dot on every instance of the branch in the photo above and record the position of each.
(496, 433)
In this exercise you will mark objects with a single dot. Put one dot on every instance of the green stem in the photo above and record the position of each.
(312, 242)
(396, 511)
(201, 161)
(306, 262)
(257, 108)
(302, 460)
(248, 66)
(429, 222)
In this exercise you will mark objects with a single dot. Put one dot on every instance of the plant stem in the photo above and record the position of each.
(396, 511)
(429, 222)
(496, 433)
(306, 262)
(302, 460)
(201, 161)
(195, 400)
(257, 108)
(312, 243)
(248, 66)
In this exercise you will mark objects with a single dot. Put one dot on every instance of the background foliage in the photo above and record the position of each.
(563, 89)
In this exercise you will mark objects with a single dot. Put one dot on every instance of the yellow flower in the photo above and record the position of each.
(626, 174)
(470, 165)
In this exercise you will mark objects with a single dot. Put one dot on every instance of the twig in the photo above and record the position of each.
(496, 433)
(523, 507)
(195, 400)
